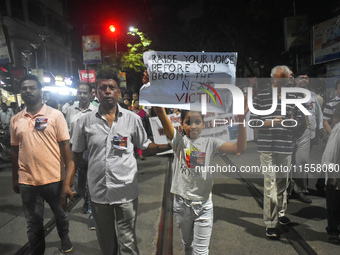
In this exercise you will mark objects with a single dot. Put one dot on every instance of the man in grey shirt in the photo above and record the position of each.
(110, 135)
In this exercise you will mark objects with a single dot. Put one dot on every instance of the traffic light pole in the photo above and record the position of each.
(113, 30)
(116, 47)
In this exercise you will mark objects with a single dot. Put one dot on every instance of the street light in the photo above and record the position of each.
(43, 38)
(36, 47)
(27, 54)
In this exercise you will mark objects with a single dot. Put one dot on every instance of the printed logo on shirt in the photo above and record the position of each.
(309, 106)
(188, 154)
(197, 158)
(40, 123)
(119, 142)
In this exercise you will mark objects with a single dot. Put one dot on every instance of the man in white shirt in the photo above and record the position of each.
(72, 114)
(303, 144)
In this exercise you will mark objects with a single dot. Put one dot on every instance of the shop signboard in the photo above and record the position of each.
(4, 53)
(326, 41)
(87, 75)
(91, 49)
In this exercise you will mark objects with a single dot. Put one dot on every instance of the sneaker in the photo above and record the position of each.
(303, 198)
(92, 223)
(66, 245)
(284, 220)
(273, 233)
(85, 208)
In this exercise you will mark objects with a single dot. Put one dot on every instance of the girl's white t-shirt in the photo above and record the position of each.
(190, 178)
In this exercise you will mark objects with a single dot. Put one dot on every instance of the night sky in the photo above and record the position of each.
(94, 17)
(253, 28)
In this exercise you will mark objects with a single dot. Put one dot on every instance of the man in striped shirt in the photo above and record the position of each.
(329, 108)
(275, 144)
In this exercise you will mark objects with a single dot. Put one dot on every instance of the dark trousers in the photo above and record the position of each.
(333, 211)
(33, 198)
(80, 180)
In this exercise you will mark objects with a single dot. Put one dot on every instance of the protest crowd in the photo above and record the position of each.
(91, 147)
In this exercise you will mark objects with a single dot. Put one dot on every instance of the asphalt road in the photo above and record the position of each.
(238, 221)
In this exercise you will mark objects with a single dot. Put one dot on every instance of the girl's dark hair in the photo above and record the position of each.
(185, 113)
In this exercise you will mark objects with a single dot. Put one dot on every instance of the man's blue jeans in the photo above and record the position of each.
(33, 198)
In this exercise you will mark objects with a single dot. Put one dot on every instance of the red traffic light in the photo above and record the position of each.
(112, 28)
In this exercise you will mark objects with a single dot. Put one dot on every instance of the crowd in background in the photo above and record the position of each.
(322, 123)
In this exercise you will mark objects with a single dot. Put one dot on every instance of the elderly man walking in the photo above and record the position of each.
(275, 144)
